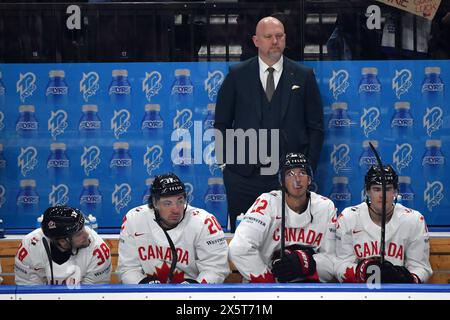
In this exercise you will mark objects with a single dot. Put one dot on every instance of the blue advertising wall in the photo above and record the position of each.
(93, 135)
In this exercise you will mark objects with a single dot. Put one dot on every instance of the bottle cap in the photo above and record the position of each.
(27, 183)
(433, 143)
(26, 108)
(366, 143)
(339, 105)
(402, 105)
(429, 70)
(404, 179)
(152, 107)
(343, 180)
(211, 106)
(89, 107)
(56, 73)
(182, 72)
(120, 145)
(120, 73)
(90, 182)
(215, 181)
(57, 146)
(369, 70)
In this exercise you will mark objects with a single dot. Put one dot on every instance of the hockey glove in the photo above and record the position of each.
(362, 269)
(150, 280)
(396, 274)
(295, 265)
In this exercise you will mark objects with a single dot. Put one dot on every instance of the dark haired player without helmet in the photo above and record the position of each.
(168, 241)
(309, 234)
(358, 236)
(62, 251)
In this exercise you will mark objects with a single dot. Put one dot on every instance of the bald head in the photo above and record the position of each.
(270, 40)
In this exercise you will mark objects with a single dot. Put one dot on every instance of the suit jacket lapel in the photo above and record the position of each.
(288, 81)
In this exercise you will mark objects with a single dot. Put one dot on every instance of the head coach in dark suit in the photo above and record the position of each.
(274, 97)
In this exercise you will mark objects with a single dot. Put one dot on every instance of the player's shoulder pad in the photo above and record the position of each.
(408, 214)
(33, 238)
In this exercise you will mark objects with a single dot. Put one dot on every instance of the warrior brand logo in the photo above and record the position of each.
(153, 158)
(401, 82)
(402, 156)
(90, 159)
(151, 84)
(183, 119)
(59, 195)
(340, 157)
(27, 160)
(121, 196)
(189, 192)
(432, 121)
(338, 83)
(213, 83)
(2, 117)
(120, 122)
(433, 194)
(26, 85)
(57, 123)
(89, 85)
(370, 120)
(2, 195)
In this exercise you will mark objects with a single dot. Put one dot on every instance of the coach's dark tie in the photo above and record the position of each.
(270, 84)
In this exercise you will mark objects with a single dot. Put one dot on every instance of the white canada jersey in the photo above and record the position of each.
(358, 238)
(91, 265)
(258, 235)
(144, 250)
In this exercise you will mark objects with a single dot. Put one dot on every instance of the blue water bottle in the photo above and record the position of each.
(367, 158)
(433, 161)
(369, 88)
(402, 121)
(2, 92)
(27, 199)
(405, 192)
(216, 200)
(210, 115)
(340, 122)
(182, 92)
(92, 222)
(182, 159)
(147, 192)
(57, 90)
(433, 88)
(2, 158)
(152, 124)
(91, 198)
(120, 89)
(27, 125)
(58, 164)
(340, 193)
(121, 162)
(90, 123)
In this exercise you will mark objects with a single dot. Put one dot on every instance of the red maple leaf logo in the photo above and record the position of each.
(267, 277)
(163, 274)
(349, 275)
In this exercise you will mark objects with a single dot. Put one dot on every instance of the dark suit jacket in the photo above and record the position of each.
(301, 119)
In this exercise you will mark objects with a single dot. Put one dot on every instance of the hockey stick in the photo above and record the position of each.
(383, 205)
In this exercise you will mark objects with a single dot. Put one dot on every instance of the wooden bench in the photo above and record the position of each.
(439, 258)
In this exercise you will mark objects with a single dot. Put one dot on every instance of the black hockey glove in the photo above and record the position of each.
(396, 274)
(294, 266)
(187, 281)
(362, 272)
(150, 280)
